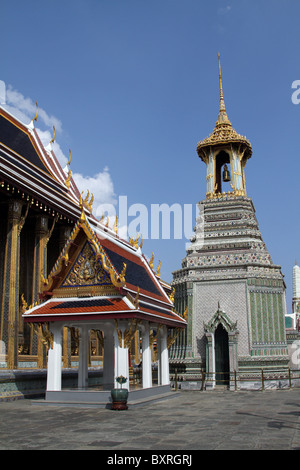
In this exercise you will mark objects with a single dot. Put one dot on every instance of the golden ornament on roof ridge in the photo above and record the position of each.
(53, 138)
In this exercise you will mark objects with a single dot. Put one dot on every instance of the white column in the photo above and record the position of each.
(83, 357)
(108, 365)
(55, 359)
(213, 343)
(146, 357)
(158, 345)
(121, 358)
(164, 358)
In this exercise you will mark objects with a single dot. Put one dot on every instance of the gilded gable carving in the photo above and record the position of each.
(86, 271)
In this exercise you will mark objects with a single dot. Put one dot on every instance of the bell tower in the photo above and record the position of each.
(225, 153)
(231, 292)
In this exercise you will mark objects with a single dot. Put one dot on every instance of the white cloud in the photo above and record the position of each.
(100, 184)
(2, 92)
(25, 109)
(224, 10)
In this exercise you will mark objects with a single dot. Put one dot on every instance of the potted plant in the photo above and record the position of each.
(119, 396)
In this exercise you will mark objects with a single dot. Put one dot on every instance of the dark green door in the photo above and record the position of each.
(222, 356)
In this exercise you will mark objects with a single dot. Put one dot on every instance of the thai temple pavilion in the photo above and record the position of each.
(102, 284)
(39, 206)
(233, 292)
(71, 287)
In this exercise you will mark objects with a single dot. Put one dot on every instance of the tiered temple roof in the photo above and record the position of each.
(35, 169)
(99, 276)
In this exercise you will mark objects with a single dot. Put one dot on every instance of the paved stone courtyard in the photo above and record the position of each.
(189, 421)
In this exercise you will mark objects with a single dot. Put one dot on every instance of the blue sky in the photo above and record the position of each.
(132, 86)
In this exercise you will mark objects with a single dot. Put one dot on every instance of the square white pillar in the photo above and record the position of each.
(164, 357)
(54, 367)
(108, 360)
(83, 370)
(121, 358)
(146, 357)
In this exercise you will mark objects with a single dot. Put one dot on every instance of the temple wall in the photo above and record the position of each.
(232, 296)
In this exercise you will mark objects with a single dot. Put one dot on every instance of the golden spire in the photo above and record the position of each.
(223, 132)
(222, 118)
(222, 104)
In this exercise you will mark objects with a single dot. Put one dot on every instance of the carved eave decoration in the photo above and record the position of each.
(43, 333)
(83, 268)
(128, 333)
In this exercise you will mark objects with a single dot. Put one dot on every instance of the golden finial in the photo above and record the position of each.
(185, 313)
(53, 138)
(87, 197)
(90, 203)
(136, 242)
(80, 200)
(68, 180)
(37, 112)
(122, 274)
(115, 227)
(69, 161)
(107, 222)
(24, 303)
(151, 261)
(141, 244)
(102, 218)
(158, 269)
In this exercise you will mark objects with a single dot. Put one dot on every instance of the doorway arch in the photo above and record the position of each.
(221, 355)
(221, 350)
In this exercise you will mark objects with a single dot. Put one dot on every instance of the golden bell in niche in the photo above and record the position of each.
(226, 174)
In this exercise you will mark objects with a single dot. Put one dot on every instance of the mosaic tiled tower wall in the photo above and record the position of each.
(228, 284)
(231, 271)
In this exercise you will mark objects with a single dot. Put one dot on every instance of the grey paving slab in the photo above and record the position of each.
(192, 420)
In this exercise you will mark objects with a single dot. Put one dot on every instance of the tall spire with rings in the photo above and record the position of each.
(222, 118)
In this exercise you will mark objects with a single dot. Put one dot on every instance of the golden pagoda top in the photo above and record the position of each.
(223, 132)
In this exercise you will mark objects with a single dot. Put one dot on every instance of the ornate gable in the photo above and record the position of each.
(220, 317)
(83, 268)
(86, 271)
